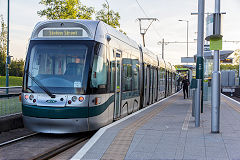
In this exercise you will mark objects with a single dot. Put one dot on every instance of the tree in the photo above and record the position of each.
(16, 68)
(236, 54)
(3, 46)
(108, 16)
(65, 9)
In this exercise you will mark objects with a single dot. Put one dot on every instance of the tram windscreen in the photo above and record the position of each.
(58, 67)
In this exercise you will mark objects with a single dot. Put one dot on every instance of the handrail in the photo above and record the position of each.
(11, 87)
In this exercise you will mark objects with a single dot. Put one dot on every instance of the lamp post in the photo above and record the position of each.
(187, 31)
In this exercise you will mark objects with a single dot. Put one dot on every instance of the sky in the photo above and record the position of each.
(23, 18)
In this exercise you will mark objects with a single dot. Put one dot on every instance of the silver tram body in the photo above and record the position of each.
(81, 75)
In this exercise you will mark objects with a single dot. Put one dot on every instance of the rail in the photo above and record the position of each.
(17, 139)
(11, 87)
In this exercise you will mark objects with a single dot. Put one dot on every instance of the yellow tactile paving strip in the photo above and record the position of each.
(121, 143)
(230, 104)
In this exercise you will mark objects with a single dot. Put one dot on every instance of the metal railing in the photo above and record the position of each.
(9, 103)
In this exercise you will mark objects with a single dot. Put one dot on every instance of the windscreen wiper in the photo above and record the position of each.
(41, 86)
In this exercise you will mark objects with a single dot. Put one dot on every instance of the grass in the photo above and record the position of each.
(13, 81)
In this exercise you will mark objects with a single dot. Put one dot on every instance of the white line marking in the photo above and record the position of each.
(187, 119)
(100, 132)
(231, 99)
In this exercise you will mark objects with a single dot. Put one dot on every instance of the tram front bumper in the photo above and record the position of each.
(57, 126)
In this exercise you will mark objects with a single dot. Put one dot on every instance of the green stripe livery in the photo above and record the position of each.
(72, 112)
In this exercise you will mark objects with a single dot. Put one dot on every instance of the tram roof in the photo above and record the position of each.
(95, 30)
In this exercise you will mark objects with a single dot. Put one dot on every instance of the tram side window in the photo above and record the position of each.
(127, 74)
(99, 69)
(162, 79)
(159, 79)
(135, 70)
(112, 75)
(112, 70)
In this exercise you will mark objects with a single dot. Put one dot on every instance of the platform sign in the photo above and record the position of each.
(210, 26)
(199, 68)
(187, 59)
(216, 43)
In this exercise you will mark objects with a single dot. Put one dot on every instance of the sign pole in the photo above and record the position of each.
(215, 111)
(163, 48)
(239, 73)
(199, 65)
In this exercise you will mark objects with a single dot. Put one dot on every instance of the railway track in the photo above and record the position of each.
(39, 146)
(60, 149)
(16, 139)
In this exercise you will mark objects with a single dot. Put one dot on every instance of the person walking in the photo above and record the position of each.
(185, 84)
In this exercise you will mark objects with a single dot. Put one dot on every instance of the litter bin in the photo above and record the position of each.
(193, 87)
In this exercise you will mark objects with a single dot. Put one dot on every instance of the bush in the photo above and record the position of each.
(16, 68)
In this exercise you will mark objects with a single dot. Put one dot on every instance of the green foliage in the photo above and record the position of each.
(13, 81)
(108, 16)
(65, 9)
(3, 46)
(179, 66)
(74, 9)
(236, 54)
(16, 68)
(230, 67)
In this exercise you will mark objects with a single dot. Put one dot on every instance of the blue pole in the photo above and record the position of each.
(239, 72)
(7, 58)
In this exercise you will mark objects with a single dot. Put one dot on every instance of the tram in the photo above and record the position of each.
(81, 75)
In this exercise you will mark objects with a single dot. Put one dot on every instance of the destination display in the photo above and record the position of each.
(63, 33)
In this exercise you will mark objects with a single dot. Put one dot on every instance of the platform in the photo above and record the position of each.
(166, 130)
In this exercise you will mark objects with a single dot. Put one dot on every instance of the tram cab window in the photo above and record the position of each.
(58, 65)
(99, 68)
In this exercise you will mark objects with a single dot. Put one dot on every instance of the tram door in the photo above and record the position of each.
(117, 106)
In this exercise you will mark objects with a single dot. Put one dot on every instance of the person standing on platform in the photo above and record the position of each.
(185, 84)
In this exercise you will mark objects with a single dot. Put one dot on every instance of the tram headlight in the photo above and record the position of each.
(31, 97)
(74, 98)
(26, 96)
(81, 99)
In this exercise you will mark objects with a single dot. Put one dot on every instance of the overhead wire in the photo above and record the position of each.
(142, 9)
(146, 15)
